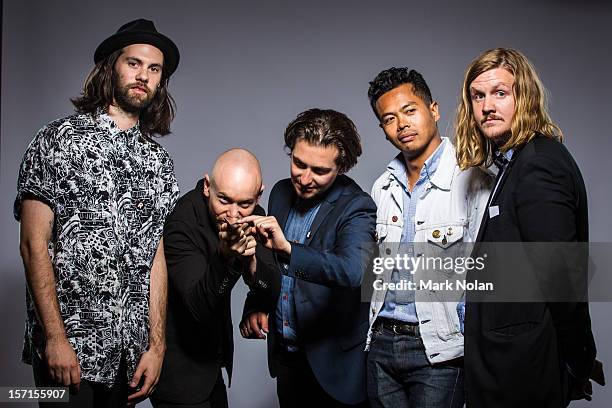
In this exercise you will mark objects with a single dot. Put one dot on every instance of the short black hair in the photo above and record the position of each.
(392, 78)
(326, 127)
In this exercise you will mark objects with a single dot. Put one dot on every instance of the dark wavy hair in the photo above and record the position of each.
(392, 78)
(326, 127)
(99, 92)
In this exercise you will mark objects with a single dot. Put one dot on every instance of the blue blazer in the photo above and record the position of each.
(331, 316)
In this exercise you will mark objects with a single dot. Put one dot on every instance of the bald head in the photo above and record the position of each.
(237, 166)
(234, 185)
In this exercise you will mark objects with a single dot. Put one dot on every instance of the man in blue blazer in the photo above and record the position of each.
(320, 226)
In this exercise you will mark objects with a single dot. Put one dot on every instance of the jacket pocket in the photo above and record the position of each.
(382, 230)
(444, 235)
(515, 329)
(446, 319)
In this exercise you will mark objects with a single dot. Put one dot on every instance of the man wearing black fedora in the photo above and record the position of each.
(94, 190)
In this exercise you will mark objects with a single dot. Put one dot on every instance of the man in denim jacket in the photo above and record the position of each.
(415, 342)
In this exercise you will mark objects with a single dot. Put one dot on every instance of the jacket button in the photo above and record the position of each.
(388, 251)
(394, 218)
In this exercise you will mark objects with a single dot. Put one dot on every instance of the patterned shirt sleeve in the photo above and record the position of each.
(170, 189)
(37, 173)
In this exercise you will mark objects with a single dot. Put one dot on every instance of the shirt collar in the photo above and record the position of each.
(509, 154)
(109, 124)
(501, 159)
(304, 206)
(397, 166)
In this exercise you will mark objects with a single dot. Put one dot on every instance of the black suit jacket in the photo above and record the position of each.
(328, 268)
(518, 354)
(199, 335)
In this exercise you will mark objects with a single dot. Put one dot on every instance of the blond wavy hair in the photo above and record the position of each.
(530, 115)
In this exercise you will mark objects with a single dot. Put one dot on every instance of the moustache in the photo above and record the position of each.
(407, 133)
(304, 188)
(141, 86)
(490, 117)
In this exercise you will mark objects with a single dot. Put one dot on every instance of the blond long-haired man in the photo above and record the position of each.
(522, 354)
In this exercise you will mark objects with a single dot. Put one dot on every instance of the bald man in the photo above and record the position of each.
(206, 252)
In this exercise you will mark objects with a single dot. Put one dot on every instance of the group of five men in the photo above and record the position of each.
(129, 285)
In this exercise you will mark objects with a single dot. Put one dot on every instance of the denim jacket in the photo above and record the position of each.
(453, 199)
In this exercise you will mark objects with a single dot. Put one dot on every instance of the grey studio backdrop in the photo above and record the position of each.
(248, 68)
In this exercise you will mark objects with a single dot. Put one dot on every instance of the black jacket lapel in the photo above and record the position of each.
(494, 196)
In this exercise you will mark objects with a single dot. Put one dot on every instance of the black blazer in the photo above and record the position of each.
(199, 335)
(518, 354)
(332, 319)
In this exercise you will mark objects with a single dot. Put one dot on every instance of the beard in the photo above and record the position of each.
(499, 138)
(130, 102)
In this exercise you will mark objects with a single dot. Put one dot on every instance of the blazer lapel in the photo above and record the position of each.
(326, 206)
(283, 214)
(494, 196)
(281, 203)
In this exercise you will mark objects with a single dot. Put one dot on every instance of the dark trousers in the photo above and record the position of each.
(297, 386)
(216, 399)
(399, 374)
(90, 394)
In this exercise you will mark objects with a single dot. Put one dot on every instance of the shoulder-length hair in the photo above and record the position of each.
(530, 114)
(99, 92)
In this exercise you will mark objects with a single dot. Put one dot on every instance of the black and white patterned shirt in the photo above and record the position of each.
(110, 191)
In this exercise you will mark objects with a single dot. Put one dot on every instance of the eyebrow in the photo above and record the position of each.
(495, 85)
(317, 168)
(406, 105)
(138, 60)
(221, 194)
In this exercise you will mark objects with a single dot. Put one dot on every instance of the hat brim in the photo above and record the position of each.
(120, 40)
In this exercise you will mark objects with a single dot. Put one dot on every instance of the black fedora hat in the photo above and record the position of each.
(140, 31)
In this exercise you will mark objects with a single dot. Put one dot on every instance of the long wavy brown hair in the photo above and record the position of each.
(530, 116)
(99, 92)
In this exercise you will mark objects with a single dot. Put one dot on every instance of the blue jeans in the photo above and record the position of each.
(399, 374)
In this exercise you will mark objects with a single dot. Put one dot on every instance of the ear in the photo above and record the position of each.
(435, 112)
(206, 186)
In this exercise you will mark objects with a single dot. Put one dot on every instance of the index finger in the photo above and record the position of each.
(263, 322)
(142, 393)
(251, 218)
(75, 376)
(246, 227)
(255, 327)
(244, 329)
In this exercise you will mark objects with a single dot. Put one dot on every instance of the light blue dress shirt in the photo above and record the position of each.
(399, 305)
(296, 230)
